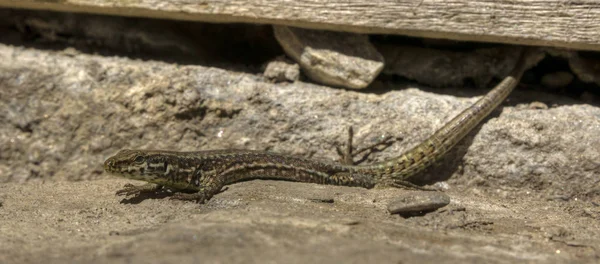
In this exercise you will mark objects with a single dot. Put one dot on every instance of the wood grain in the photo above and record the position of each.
(571, 24)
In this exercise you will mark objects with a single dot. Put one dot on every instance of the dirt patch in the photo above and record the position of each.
(280, 221)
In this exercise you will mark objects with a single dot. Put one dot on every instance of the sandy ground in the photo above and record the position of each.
(270, 221)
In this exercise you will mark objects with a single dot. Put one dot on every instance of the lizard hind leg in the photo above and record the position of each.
(204, 194)
(348, 154)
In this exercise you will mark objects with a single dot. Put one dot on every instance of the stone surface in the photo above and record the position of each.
(282, 71)
(415, 202)
(333, 58)
(586, 68)
(259, 221)
(557, 80)
(584, 65)
(443, 68)
(524, 185)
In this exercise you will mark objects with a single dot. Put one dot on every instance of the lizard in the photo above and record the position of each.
(199, 175)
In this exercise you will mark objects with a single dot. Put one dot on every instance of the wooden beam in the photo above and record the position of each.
(557, 23)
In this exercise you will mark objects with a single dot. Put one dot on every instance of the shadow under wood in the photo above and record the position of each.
(240, 47)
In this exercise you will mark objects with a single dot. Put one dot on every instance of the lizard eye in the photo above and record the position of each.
(139, 159)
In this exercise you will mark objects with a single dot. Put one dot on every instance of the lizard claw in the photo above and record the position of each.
(130, 189)
(223, 189)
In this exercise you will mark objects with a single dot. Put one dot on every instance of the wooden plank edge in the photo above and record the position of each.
(225, 18)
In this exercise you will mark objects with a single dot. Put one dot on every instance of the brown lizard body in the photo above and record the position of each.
(207, 172)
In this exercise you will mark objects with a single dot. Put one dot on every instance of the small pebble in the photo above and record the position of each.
(557, 80)
(538, 105)
(414, 202)
(281, 71)
(322, 200)
(350, 222)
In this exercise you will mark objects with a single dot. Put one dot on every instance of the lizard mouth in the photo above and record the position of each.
(112, 166)
(109, 165)
(126, 169)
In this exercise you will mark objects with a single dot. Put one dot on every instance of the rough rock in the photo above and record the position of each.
(282, 71)
(333, 58)
(415, 202)
(557, 80)
(587, 69)
(584, 65)
(443, 68)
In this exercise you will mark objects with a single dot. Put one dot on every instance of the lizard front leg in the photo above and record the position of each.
(130, 189)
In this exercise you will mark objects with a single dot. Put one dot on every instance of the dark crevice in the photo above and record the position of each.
(28, 127)
(192, 113)
(240, 47)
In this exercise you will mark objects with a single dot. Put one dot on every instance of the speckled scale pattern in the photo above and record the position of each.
(207, 172)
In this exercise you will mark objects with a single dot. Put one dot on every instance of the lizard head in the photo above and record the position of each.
(154, 166)
(138, 164)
